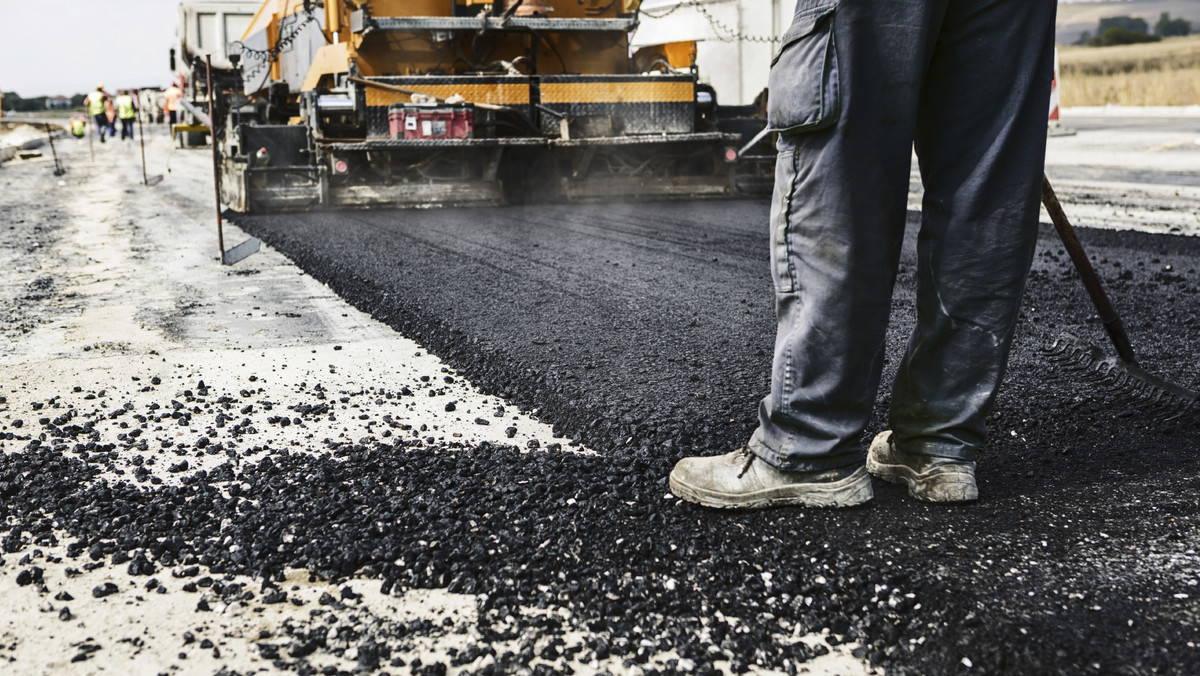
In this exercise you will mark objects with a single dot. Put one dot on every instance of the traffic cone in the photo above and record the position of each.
(1055, 127)
(1054, 99)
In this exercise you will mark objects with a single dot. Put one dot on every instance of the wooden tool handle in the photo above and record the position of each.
(1091, 281)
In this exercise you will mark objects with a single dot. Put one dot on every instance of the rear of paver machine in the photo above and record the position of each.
(421, 103)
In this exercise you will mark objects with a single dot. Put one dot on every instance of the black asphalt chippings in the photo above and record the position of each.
(644, 332)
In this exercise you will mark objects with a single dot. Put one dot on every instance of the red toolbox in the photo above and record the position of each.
(416, 121)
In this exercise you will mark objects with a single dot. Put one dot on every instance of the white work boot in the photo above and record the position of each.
(742, 480)
(928, 478)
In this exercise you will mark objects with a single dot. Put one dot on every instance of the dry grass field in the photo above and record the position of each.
(1163, 73)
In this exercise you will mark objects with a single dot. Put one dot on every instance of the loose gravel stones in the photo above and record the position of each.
(106, 589)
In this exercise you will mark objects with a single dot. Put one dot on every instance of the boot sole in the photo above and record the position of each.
(853, 490)
(933, 486)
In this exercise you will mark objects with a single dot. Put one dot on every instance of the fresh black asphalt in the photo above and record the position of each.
(644, 331)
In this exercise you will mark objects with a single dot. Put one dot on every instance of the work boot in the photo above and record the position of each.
(742, 480)
(928, 478)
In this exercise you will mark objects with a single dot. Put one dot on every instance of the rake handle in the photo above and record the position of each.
(1091, 281)
(142, 141)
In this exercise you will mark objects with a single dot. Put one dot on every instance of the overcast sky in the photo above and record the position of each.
(69, 46)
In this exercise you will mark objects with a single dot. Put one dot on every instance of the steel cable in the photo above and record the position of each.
(723, 32)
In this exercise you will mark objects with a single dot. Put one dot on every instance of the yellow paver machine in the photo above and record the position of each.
(419, 103)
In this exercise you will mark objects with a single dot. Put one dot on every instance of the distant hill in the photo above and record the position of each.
(1076, 17)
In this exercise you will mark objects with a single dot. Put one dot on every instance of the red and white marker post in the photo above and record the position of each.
(1054, 100)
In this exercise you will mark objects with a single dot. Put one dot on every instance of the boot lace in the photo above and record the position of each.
(747, 459)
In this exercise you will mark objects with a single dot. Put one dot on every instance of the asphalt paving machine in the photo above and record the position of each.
(418, 103)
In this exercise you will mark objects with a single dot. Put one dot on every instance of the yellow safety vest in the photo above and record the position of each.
(77, 127)
(95, 102)
(125, 107)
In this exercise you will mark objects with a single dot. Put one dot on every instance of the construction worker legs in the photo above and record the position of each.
(981, 145)
(101, 123)
(837, 218)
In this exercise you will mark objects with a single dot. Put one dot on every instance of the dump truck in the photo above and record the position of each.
(203, 30)
(419, 103)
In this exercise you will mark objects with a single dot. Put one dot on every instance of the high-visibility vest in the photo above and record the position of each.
(95, 102)
(77, 127)
(171, 98)
(125, 107)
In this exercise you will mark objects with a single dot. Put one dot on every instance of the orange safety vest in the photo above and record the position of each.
(171, 98)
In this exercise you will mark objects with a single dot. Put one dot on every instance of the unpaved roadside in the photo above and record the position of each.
(141, 370)
(116, 311)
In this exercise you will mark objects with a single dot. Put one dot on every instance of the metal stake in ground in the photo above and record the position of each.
(91, 141)
(59, 170)
(212, 137)
(250, 246)
(142, 138)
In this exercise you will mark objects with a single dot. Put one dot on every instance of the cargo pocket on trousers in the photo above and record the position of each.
(783, 272)
(803, 85)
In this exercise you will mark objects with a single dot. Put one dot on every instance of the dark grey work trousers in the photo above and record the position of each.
(855, 85)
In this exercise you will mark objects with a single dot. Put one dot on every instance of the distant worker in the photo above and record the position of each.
(79, 127)
(110, 115)
(126, 112)
(96, 106)
(152, 106)
(171, 99)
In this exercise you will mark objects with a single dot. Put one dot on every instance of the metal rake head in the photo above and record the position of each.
(1148, 391)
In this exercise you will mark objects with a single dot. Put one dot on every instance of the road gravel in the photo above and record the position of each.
(639, 332)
